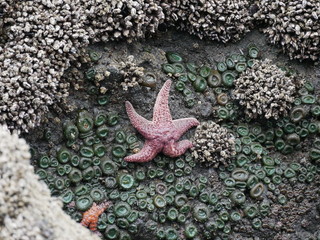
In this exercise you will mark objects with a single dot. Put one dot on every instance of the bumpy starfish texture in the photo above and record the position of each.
(91, 216)
(162, 133)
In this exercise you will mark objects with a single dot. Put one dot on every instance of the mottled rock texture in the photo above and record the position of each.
(27, 211)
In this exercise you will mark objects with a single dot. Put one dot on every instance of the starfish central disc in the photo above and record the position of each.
(162, 134)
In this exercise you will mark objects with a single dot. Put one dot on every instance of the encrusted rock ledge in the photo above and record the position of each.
(27, 211)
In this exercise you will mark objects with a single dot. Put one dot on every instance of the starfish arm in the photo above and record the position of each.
(147, 153)
(93, 225)
(161, 112)
(84, 223)
(175, 149)
(182, 125)
(140, 123)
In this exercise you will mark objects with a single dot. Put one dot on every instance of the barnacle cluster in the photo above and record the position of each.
(265, 90)
(22, 193)
(120, 19)
(220, 20)
(213, 144)
(125, 71)
(43, 37)
(131, 73)
(293, 25)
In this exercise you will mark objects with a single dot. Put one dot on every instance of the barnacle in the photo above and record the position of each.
(294, 34)
(272, 97)
(213, 144)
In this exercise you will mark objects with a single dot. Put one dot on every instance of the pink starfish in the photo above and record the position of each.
(162, 133)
